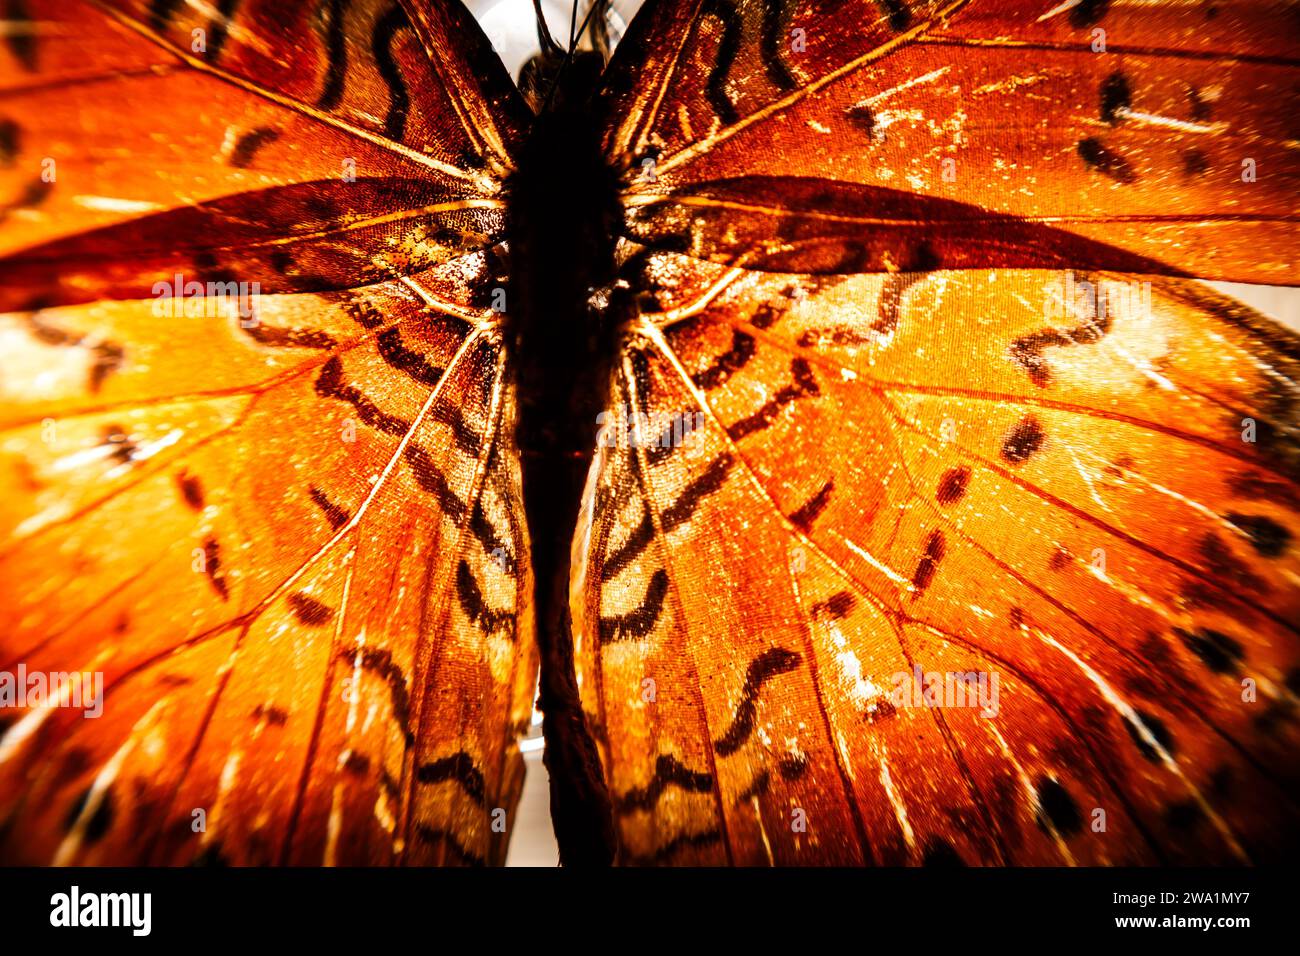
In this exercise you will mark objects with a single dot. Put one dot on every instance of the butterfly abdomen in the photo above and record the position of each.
(563, 212)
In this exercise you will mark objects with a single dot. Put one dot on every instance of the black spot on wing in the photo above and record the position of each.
(431, 479)
(952, 486)
(899, 16)
(931, 554)
(308, 610)
(1158, 731)
(1057, 807)
(1219, 652)
(940, 853)
(1023, 441)
(100, 820)
(191, 489)
(837, 606)
(1106, 161)
(212, 567)
(10, 137)
(1088, 12)
(246, 147)
(219, 28)
(1116, 98)
(1266, 536)
(20, 36)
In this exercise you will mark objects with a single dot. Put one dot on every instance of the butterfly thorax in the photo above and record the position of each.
(563, 217)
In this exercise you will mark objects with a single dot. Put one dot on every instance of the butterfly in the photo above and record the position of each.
(815, 407)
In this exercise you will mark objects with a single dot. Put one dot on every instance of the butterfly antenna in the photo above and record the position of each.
(544, 38)
(568, 57)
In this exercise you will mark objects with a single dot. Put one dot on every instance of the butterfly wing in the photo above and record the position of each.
(917, 547)
(281, 526)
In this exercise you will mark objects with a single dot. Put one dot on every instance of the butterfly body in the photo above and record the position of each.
(564, 215)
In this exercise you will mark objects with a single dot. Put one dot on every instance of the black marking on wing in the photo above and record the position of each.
(792, 766)
(638, 622)
(308, 610)
(1027, 350)
(273, 715)
(813, 507)
(336, 55)
(771, 49)
(899, 16)
(805, 383)
(10, 136)
(330, 384)
(952, 486)
(410, 363)
(1157, 729)
(728, 363)
(1219, 652)
(161, 13)
(20, 39)
(627, 552)
(288, 338)
(1058, 807)
(399, 101)
(665, 852)
(760, 786)
(106, 356)
(1266, 536)
(706, 484)
(939, 852)
(669, 772)
(1088, 12)
(931, 555)
(434, 835)
(431, 479)
(218, 28)
(212, 567)
(467, 440)
(124, 446)
(459, 767)
(769, 664)
(495, 546)
(891, 295)
(336, 516)
(724, 11)
(673, 436)
(1023, 441)
(379, 661)
(100, 821)
(246, 147)
(1105, 161)
(475, 607)
(191, 489)
(1116, 98)
(838, 605)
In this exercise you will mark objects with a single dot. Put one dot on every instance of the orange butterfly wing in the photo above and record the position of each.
(877, 436)
(282, 526)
